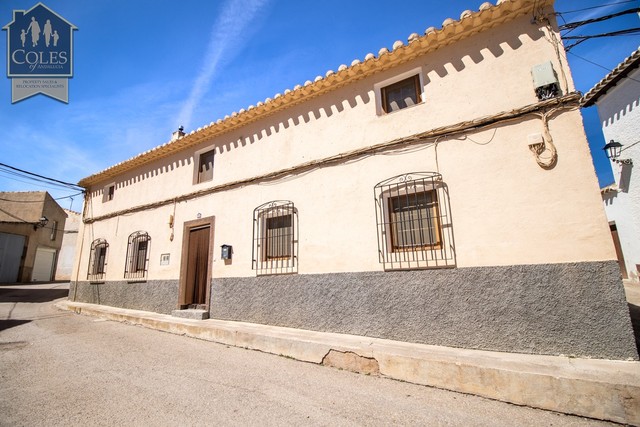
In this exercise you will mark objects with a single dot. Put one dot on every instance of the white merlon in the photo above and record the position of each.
(467, 13)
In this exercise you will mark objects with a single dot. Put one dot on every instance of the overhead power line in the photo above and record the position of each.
(38, 178)
(627, 32)
(573, 25)
(596, 7)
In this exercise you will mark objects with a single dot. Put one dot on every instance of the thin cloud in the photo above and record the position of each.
(225, 41)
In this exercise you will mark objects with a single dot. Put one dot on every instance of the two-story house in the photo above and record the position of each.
(439, 192)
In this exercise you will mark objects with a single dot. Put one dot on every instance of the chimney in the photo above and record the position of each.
(177, 134)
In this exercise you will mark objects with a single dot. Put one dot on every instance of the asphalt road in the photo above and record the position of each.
(58, 368)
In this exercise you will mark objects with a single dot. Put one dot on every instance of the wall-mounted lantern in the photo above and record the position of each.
(613, 150)
(41, 223)
(227, 250)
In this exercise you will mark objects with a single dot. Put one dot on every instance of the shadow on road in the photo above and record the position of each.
(10, 323)
(31, 295)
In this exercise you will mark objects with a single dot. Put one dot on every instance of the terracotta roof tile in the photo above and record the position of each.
(611, 79)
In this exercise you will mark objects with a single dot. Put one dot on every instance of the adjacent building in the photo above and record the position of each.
(434, 192)
(68, 249)
(617, 97)
(31, 230)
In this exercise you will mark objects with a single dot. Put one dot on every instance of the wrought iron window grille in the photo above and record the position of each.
(414, 225)
(275, 238)
(98, 260)
(137, 255)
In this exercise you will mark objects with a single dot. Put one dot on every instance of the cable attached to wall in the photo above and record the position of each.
(547, 146)
(569, 101)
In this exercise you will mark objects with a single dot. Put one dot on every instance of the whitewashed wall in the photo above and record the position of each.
(619, 111)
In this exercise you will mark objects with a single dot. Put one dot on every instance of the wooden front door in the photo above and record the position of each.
(196, 265)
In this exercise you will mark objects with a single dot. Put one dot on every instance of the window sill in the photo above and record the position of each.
(383, 113)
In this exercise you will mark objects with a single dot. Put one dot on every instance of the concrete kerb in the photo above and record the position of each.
(601, 389)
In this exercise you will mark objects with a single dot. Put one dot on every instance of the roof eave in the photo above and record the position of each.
(611, 80)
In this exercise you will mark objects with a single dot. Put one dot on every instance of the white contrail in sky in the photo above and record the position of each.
(226, 33)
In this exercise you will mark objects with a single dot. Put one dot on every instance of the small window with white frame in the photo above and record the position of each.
(400, 92)
(414, 222)
(275, 241)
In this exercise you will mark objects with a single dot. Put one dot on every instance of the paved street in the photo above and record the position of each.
(58, 368)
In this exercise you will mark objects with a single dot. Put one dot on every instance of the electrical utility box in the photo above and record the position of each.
(545, 81)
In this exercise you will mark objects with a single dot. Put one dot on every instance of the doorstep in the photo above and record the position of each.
(594, 388)
(191, 313)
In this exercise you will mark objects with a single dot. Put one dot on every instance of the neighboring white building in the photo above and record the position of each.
(433, 193)
(617, 97)
(68, 250)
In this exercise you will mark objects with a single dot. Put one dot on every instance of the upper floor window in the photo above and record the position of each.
(402, 91)
(204, 162)
(108, 192)
(414, 222)
(98, 260)
(137, 255)
(54, 230)
(275, 239)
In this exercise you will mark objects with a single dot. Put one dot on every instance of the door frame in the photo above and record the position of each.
(613, 228)
(187, 227)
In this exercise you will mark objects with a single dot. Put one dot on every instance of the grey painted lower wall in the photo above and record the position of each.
(576, 309)
(160, 296)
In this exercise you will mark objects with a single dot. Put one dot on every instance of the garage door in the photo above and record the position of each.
(43, 265)
(11, 247)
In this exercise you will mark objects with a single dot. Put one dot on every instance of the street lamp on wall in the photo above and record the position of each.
(41, 223)
(613, 150)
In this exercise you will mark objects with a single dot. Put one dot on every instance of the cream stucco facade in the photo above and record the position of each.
(511, 226)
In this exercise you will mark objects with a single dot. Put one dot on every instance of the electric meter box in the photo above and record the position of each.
(544, 75)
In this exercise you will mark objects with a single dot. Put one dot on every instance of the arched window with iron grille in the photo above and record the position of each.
(98, 260)
(414, 223)
(137, 256)
(275, 238)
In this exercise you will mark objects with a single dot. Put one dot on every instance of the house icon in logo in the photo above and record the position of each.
(39, 45)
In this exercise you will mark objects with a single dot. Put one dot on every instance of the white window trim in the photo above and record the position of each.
(196, 163)
(377, 87)
(105, 192)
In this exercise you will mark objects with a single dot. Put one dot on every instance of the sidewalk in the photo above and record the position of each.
(601, 389)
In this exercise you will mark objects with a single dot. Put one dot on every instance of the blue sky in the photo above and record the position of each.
(144, 67)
